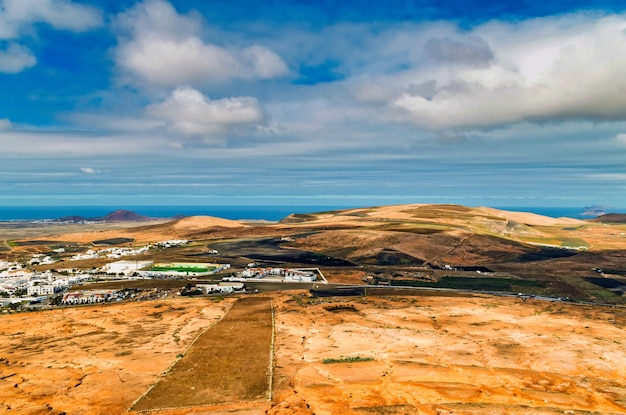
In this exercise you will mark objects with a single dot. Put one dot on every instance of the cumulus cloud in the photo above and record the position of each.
(162, 47)
(473, 51)
(190, 112)
(15, 58)
(16, 15)
(5, 124)
(541, 70)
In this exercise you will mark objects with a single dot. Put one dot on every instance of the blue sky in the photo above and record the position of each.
(312, 102)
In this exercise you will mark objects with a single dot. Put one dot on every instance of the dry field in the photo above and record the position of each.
(429, 355)
(432, 355)
(94, 360)
(230, 362)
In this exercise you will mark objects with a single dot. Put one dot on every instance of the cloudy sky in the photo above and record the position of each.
(276, 102)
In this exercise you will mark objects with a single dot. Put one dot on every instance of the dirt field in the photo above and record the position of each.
(436, 355)
(230, 362)
(429, 355)
(94, 360)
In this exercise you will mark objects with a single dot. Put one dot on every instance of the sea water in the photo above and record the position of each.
(269, 213)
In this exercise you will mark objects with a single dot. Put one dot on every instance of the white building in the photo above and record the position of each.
(295, 275)
(46, 289)
(222, 287)
(126, 267)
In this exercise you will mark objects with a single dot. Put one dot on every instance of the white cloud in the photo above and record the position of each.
(17, 15)
(16, 144)
(5, 124)
(162, 47)
(16, 58)
(621, 138)
(89, 170)
(263, 63)
(548, 69)
(188, 111)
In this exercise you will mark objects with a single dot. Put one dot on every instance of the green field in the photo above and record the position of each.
(184, 269)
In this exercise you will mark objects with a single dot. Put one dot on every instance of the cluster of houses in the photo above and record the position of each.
(14, 279)
(119, 252)
(89, 297)
(173, 243)
(277, 274)
(41, 259)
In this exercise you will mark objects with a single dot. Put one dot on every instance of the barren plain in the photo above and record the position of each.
(421, 354)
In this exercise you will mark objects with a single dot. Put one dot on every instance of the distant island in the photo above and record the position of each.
(119, 215)
(594, 211)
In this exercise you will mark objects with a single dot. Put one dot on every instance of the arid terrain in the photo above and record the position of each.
(420, 354)
(533, 321)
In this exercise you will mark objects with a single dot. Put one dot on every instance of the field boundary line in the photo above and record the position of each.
(178, 358)
(272, 354)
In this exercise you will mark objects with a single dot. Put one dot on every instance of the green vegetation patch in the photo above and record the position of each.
(184, 269)
(31, 243)
(350, 359)
(113, 241)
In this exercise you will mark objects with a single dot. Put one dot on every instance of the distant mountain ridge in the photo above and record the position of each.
(119, 215)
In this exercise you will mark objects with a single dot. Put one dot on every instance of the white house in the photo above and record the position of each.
(46, 289)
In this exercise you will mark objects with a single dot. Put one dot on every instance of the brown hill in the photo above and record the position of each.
(121, 215)
(611, 218)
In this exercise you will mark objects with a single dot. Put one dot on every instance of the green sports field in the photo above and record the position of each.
(183, 269)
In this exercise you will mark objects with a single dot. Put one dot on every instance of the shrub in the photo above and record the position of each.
(350, 359)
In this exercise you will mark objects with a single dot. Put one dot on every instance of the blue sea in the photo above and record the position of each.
(270, 213)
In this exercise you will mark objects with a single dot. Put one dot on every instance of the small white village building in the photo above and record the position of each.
(222, 287)
(296, 275)
(126, 267)
(46, 289)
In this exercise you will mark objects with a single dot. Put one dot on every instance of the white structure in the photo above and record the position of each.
(89, 297)
(172, 243)
(42, 289)
(222, 287)
(279, 274)
(126, 267)
(296, 275)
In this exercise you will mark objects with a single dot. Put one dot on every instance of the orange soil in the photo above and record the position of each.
(455, 355)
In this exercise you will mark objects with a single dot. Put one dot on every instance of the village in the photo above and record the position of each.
(22, 286)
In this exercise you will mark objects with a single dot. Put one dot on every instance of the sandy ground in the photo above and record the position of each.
(451, 355)
(94, 359)
(430, 355)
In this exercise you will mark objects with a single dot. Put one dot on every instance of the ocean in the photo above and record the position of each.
(270, 213)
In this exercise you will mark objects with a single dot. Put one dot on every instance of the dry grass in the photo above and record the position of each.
(229, 362)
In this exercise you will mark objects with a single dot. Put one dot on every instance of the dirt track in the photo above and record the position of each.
(431, 355)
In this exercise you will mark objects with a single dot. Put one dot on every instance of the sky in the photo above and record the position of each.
(303, 102)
